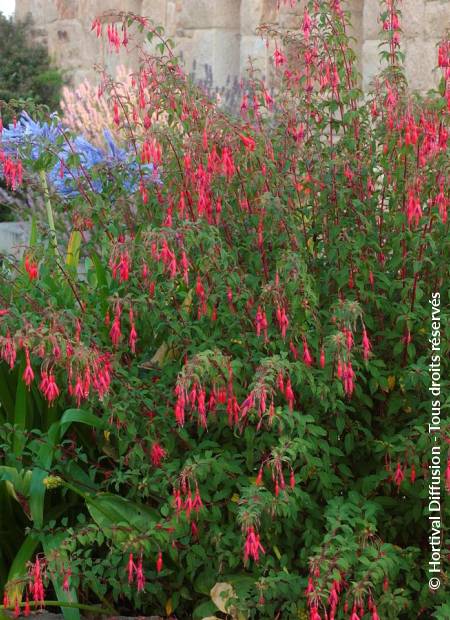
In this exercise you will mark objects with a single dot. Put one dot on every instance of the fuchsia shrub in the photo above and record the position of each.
(234, 388)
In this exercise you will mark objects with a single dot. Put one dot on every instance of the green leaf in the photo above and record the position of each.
(78, 415)
(37, 496)
(73, 250)
(109, 510)
(54, 543)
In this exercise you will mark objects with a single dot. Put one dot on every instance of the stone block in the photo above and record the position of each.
(226, 56)
(436, 18)
(211, 53)
(371, 20)
(69, 46)
(14, 236)
(205, 14)
(254, 13)
(420, 62)
(156, 11)
(255, 48)
(370, 62)
(41, 11)
(412, 19)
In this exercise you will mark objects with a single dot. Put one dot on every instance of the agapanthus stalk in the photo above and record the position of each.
(49, 211)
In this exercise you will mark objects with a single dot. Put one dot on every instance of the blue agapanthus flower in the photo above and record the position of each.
(29, 134)
(32, 138)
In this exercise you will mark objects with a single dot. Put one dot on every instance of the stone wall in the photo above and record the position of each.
(221, 34)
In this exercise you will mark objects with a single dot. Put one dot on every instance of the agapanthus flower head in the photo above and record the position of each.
(29, 137)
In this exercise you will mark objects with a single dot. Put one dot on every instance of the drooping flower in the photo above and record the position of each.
(31, 268)
(131, 567)
(157, 454)
(28, 374)
(399, 475)
(307, 358)
(367, 347)
(140, 577)
(253, 546)
(248, 142)
(159, 562)
(279, 58)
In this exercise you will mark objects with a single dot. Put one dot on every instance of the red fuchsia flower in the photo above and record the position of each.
(151, 152)
(116, 116)
(348, 377)
(289, 394)
(444, 55)
(31, 268)
(283, 321)
(157, 454)
(306, 24)
(293, 350)
(140, 577)
(79, 390)
(132, 339)
(253, 546)
(12, 171)
(194, 530)
(102, 375)
(314, 613)
(386, 584)
(48, 387)
(180, 405)
(248, 142)
(399, 475)
(26, 610)
(354, 615)
(8, 351)
(375, 615)
(28, 374)
(322, 358)
(185, 267)
(228, 163)
(310, 587)
(292, 479)
(37, 586)
(66, 580)
(113, 37)
(131, 568)
(367, 347)
(115, 333)
(261, 322)
(413, 474)
(414, 210)
(280, 382)
(159, 563)
(279, 58)
(97, 26)
(197, 504)
(259, 477)
(307, 359)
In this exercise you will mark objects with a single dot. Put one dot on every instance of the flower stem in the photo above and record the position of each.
(48, 207)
